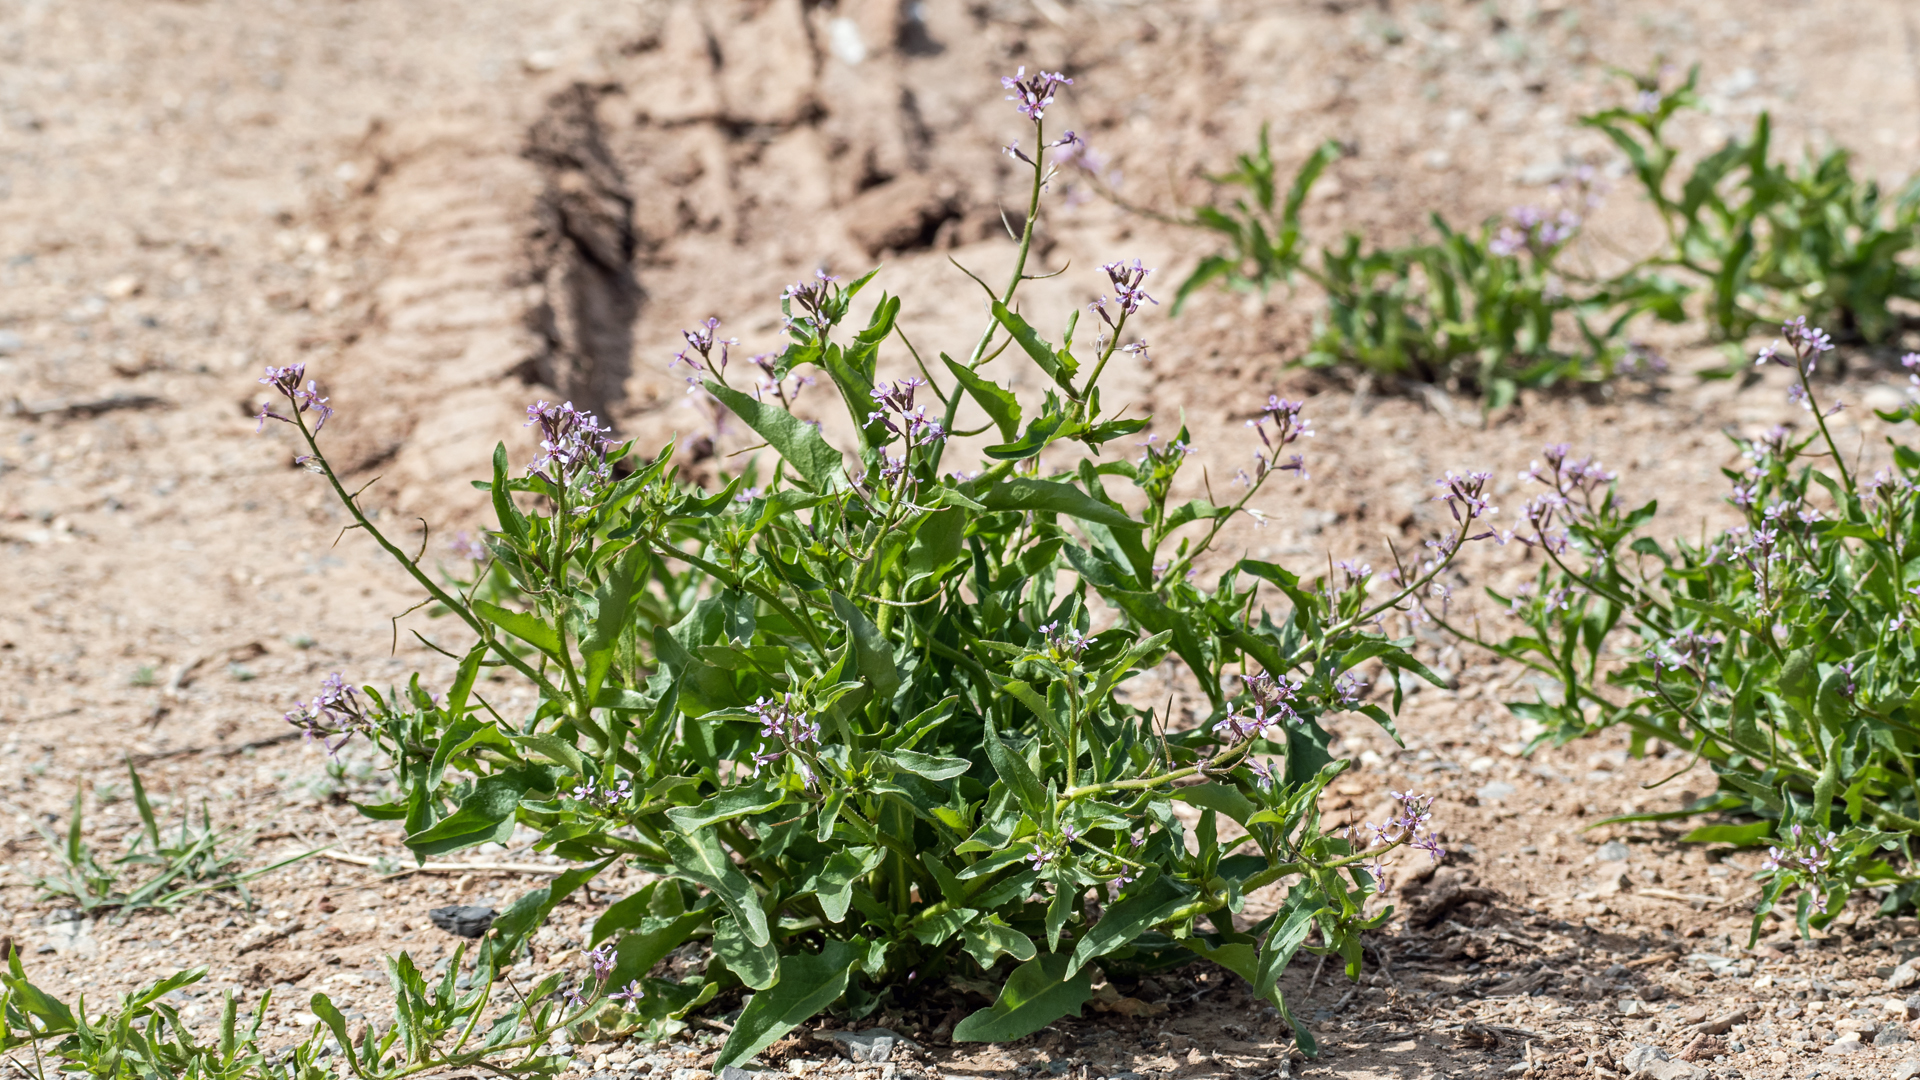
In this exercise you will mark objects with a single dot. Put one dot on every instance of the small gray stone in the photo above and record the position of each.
(10, 342)
(1905, 975)
(463, 920)
(1848, 1043)
(1126, 1076)
(1891, 1035)
(1494, 791)
(1640, 1057)
(735, 1072)
(1907, 1069)
(1613, 851)
(1652, 1063)
(870, 1047)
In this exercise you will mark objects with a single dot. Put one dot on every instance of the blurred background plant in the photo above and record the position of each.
(180, 863)
(1762, 241)
(1488, 311)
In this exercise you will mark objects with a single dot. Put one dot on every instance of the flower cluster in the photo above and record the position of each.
(602, 796)
(1809, 855)
(1271, 704)
(894, 409)
(772, 381)
(1349, 690)
(1575, 482)
(335, 713)
(1529, 228)
(1412, 825)
(1802, 350)
(305, 398)
(1153, 455)
(1288, 426)
(1065, 641)
(600, 963)
(786, 729)
(815, 300)
(573, 447)
(1688, 649)
(698, 355)
(1129, 289)
(1032, 95)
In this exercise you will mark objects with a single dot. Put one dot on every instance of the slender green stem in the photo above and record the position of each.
(1013, 282)
(413, 569)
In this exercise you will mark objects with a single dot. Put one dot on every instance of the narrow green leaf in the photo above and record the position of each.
(986, 940)
(1059, 366)
(729, 804)
(798, 441)
(757, 964)
(999, 404)
(1220, 797)
(1015, 772)
(1024, 493)
(698, 857)
(1139, 911)
(1738, 835)
(528, 628)
(1037, 993)
(833, 883)
(808, 983)
(928, 765)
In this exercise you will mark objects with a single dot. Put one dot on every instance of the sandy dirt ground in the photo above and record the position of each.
(450, 210)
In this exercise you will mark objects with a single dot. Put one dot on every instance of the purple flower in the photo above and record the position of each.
(335, 712)
(1032, 95)
(1431, 845)
(1465, 492)
(464, 546)
(573, 447)
(1265, 774)
(1065, 641)
(702, 340)
(606, 798)
(306, 398)
(895, 410)
(631, 994)
(1128, 288)
(1041, 858)
(600, 962)
(786, 728)
(1348, 689)
(1288, 425)
(815, 299)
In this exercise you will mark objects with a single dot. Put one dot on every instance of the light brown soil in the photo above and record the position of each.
(449, 210)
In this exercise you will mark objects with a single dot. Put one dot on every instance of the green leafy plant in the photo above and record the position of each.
(496, 1026)
(869, 720)
(1763, 240)
(1486, 312)
(143, 1037)
(1782, 652)
(182, 864)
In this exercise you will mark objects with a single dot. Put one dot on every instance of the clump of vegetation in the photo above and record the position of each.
(1487, 311)
(1782, 651)
(1761, 241)
(179, 863)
